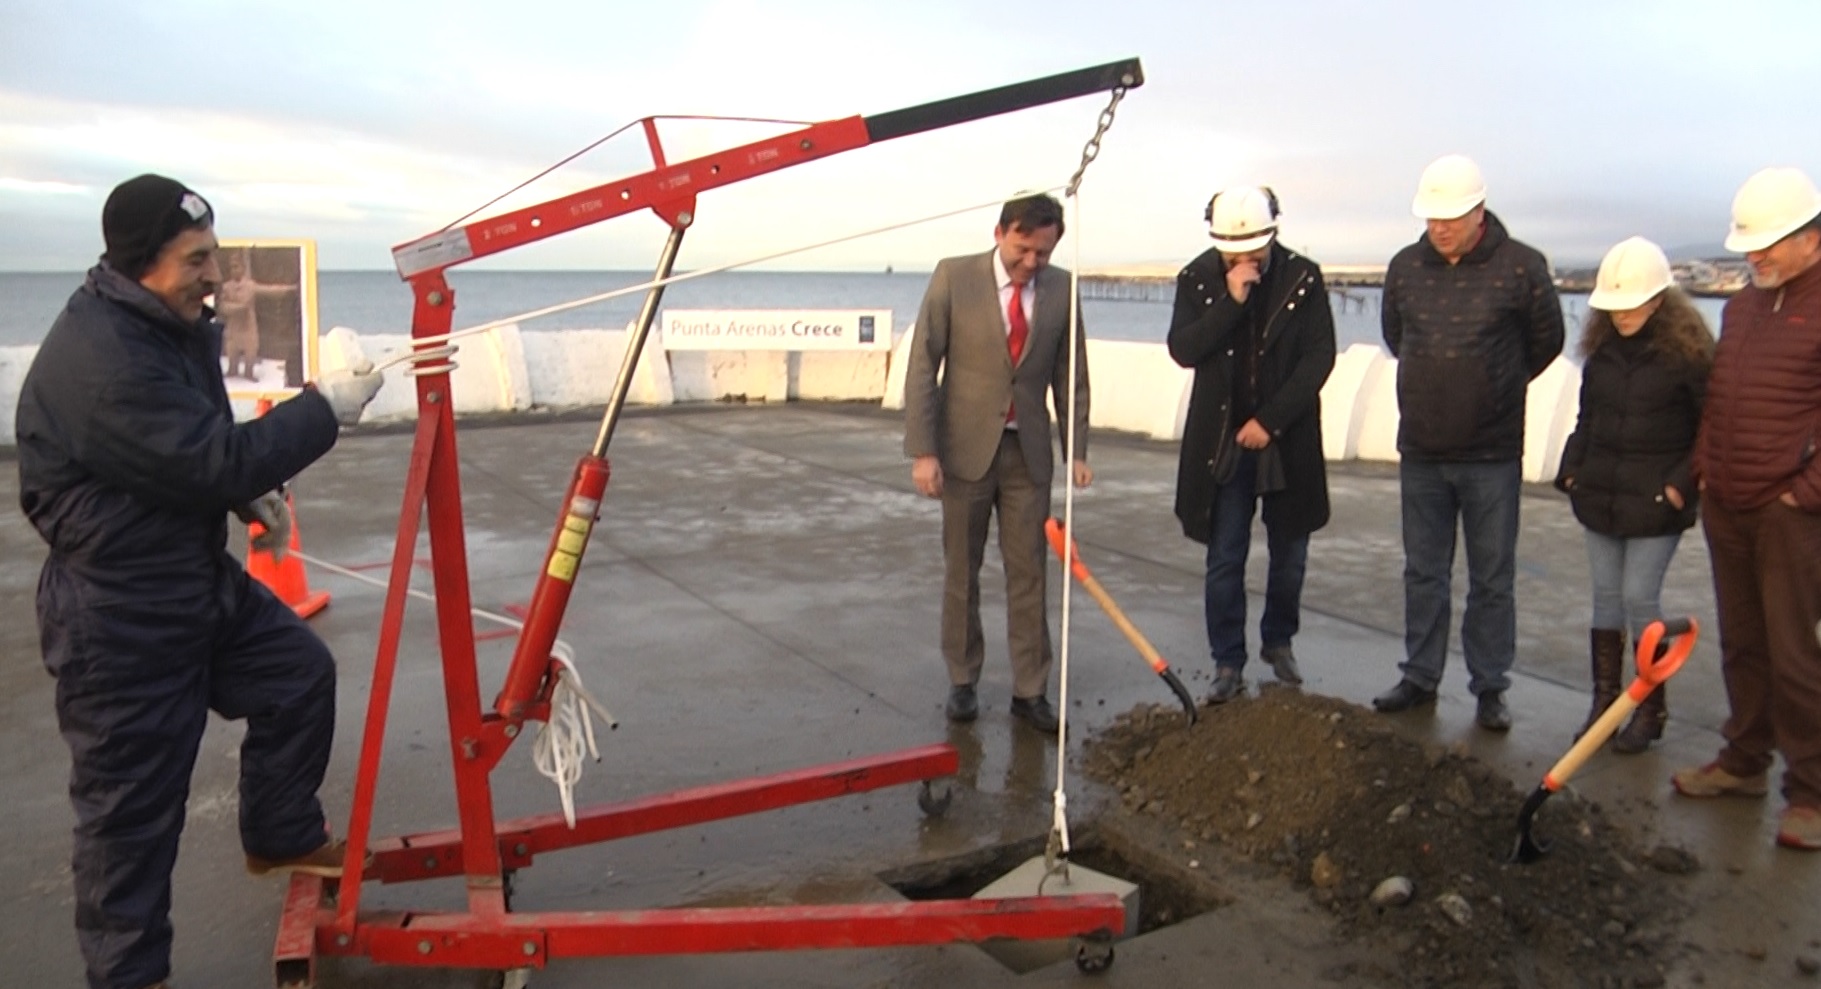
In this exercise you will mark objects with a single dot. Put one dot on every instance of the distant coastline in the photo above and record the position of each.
(1715, 278)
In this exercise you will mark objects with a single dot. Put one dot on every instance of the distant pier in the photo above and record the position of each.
(1157, 283)
(1712, 277)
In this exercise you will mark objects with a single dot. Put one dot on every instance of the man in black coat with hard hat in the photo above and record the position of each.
(129, 462)
(1252, 320)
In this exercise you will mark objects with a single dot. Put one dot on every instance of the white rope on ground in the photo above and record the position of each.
(418, 352)
(568, 734)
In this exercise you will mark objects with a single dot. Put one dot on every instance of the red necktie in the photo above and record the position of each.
(1014, 318)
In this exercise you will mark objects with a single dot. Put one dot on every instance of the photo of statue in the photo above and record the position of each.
(266, 306)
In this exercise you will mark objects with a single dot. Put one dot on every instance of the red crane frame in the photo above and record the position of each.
(323, 917)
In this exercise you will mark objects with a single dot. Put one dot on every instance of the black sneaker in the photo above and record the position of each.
(1493, 715)
(1228, 684)
(962, 704)
(1036, 712)
(1403, 697)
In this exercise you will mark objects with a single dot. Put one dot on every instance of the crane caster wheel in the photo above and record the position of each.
(1094, 955)
(935, 801)
(516, 978)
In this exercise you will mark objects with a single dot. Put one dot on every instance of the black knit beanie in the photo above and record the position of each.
(144, 214)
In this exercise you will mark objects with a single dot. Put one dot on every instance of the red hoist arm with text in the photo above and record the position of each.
(669, 184)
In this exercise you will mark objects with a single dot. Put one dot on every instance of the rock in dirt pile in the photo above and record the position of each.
(1330, 795)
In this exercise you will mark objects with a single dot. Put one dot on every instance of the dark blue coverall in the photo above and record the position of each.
(129, 463)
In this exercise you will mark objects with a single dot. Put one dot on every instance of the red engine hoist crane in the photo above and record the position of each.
(322, 917)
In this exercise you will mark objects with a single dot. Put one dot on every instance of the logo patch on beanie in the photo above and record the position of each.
(192, 204)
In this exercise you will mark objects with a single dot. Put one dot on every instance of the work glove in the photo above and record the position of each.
(349, 390)
(271, 511)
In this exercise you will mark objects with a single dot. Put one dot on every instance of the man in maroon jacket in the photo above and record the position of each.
(1756, 460)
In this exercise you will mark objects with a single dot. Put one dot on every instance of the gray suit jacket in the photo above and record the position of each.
(961, 332)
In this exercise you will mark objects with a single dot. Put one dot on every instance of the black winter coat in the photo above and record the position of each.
(1295, 354)
(129, 456)
(1468, 338)
(1640, 412)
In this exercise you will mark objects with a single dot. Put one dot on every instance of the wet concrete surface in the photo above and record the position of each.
(761, 595)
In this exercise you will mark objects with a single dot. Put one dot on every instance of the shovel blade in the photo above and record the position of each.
(1181, 692)
(1529, 848)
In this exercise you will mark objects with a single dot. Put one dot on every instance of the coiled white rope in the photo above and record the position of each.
(563, 740)
(428, 348)
(568, 735)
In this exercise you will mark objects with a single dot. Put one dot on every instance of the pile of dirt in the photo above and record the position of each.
(1329, 794)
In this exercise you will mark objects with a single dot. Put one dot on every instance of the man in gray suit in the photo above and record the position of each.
(996, 328)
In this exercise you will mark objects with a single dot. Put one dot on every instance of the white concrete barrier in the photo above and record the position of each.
(14, 362)
(1341, 412)
(1559, 385)
(1137, 387)
(894, 374)
(1373, 434)
(730, 375)
(574, 368)
(838, 375)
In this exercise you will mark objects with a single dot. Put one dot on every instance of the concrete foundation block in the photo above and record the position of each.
(1033, 879)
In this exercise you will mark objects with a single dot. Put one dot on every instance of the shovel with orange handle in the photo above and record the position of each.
(1653, 670)
(1058, 537)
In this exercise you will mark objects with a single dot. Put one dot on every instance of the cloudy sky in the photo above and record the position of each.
(364, 124)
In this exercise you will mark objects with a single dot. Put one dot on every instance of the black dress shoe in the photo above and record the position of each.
(1036, 712)
(1403, 697)
(962, 705)
(1493, 715)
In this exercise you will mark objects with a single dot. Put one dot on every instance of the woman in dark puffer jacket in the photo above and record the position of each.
(1626, 468)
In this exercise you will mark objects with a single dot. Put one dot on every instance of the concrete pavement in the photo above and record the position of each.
(761, 594)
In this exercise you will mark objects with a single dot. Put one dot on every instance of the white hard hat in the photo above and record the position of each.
(1243, 218)
(1770, 206)
(1631, 274)
(1450, 187)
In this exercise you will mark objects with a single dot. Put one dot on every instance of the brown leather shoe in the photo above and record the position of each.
(325, 861)
(1712, 781)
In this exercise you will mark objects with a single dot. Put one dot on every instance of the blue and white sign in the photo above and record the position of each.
(776, 329)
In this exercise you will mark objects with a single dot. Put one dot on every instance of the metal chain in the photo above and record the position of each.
(1091, 150)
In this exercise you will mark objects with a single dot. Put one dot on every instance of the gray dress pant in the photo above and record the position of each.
(1023, 506)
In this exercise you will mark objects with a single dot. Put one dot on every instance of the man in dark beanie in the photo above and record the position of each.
(129, 462)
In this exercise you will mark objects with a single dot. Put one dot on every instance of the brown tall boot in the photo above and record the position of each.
(1646, 726)
(1607, 645)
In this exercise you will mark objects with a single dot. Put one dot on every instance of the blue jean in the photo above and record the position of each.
(1229, 541)
(1483, 499)
(1627, 578)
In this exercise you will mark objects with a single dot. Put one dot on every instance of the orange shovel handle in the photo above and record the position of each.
(1653, 670)
(1058, 539)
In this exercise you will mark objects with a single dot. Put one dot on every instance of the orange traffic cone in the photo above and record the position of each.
(286, 578)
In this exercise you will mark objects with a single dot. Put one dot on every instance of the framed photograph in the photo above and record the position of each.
(267, 308)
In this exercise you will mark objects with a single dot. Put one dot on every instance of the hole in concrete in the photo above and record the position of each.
(1167, 893)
